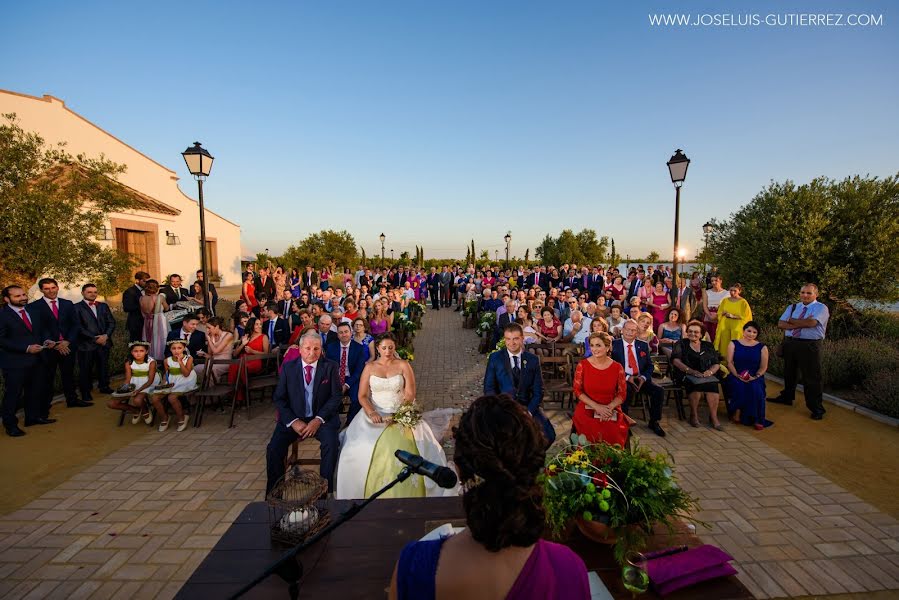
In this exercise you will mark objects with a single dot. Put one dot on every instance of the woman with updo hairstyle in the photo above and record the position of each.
(499, 453)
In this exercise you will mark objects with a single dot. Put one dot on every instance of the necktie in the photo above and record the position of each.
(308, 376)
(342, 365)
(516, 372)
(185, 335)
(632, 359)
(286, 308)
(25, 318)
(55, 309)
(798, 332)
(271, 332)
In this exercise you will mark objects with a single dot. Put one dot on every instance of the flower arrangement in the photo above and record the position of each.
(407, 415)
(405, 354)
(487, 322)
(402, 322)
(415, 306)
(471, 308)
(627, 490)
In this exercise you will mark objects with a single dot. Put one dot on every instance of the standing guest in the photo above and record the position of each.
(294, 283)
(804, 325)
(747, 361)
(517, 373)
(670, 332)
(156, 327)
(684, 300)
(500, 554)
(96, 325)
(600, 389)
(20, 347)
(350, 359)
(213, 293)
(695, 363)
(251, 269)
(549, 327)
(733, 313)
(362, 336)
(275, 327)
(265, 286)
(285, 304)
(140, 372)
(659, 302)
(173, 291)
(310, 279)
(131, 305)
(446, 287)
(324, 278)
(219, 342)
(280, 279)
(711, 299)
(59, 324)
(633, 354)
(433, 283)
(188, 332)
(696, 284)
(248, 293)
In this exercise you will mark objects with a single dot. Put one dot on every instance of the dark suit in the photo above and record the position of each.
(91, 355)
(21, 371)
(213, 293)
(280, 333)
(267, 287)
(195, 342)
(541, 280)
(329, 338)
(290, 400)
(634, 287)
(644, 363)
(355, 364)
(285, 307)
(685, 301)
(498, 379)
(131, 305)
(503, 320)
(307, 280)
(65, 328)
(433, 283)
(173, 295)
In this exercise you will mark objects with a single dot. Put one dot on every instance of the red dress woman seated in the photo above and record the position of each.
(253, 342)
(600, 388)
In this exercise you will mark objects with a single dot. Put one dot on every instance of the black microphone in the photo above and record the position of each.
(442, 476)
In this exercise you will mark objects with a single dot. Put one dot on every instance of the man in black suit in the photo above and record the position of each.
(325, 334)
(96, 325)
(173, 291)
(196, 340)
(634, 285)
(265, 286)
(505, 319)
(309, 278)
(275, 327)
(433, 283)
(20, 346)
(286, 304)
(633, 355)
(308, 397)
(131, 305)
(213, 293)
(59, 325)
(350, 359)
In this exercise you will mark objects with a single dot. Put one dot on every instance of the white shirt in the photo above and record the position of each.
(93, 308)
(512, 358)
(48, 301)
(628, 347)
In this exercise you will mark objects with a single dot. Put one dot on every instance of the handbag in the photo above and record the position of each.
(693, 380)
(683, 569)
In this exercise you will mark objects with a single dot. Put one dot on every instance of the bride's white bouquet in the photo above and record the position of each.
(407, 415)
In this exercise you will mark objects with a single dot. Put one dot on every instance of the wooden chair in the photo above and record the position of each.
(557, 379)
(267, 379)
(216, 390)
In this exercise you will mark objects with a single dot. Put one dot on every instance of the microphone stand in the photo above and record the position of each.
(291, 570)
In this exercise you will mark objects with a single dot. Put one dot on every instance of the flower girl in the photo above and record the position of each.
(140, 377)
(179, 368)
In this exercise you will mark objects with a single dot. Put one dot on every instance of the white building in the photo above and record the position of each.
(165, 235)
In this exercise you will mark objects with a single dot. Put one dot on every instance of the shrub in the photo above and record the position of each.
(883, 392)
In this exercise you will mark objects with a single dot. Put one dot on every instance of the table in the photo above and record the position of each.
(357, 560)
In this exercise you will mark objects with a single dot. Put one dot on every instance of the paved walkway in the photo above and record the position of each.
(137, 523)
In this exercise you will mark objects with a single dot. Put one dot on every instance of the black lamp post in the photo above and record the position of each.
(391, 255)
(677, 167)
(382, 238)
(199, 163)
(707, 229)
(508, 239)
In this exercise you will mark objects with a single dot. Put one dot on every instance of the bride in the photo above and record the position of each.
(366, 461)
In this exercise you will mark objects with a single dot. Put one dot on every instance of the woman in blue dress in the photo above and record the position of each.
(294, 283)
(747, 361)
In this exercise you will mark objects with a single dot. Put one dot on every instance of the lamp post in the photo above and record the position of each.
(391, 255)
(508, 239)
(677, 168)
(199, 163)
(707, 229)
(496, 256)
(382, 237)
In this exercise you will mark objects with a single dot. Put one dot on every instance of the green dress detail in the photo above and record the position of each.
(384, 466)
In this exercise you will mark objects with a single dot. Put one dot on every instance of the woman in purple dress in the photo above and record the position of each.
(499, 452)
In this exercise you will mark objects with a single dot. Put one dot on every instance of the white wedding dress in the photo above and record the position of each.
(357, 462)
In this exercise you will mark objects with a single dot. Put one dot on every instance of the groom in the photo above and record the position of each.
(517, 373)
(308, 397)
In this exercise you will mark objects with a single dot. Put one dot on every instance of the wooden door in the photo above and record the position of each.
(135, 243)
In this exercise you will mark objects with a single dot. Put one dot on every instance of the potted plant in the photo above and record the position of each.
(614, 495)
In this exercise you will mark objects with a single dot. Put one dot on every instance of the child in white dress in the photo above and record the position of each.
(179, 368)
(140, 372)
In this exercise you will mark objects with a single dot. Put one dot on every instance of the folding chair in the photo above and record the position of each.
(215, 390)
(265, 380)
(557, 380)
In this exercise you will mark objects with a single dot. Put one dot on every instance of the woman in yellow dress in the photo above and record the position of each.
(733, 313)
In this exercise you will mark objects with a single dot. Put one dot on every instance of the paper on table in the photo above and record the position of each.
(444, 530)
(598, 590)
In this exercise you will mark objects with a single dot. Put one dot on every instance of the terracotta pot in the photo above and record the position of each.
(596, 531)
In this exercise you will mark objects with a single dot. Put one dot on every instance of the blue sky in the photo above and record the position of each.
(436, 122)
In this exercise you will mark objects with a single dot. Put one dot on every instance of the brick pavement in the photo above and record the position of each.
(137, 523)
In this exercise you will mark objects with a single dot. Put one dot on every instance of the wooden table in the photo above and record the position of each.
(356, 561)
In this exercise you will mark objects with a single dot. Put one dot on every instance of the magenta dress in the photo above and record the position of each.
(379, 327)
(658, 315)
(551, 571)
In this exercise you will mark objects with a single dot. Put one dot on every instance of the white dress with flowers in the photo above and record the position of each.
(365, 465)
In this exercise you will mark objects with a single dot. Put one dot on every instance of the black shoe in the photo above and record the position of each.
(656, 428)
(780, 400)
(14, 431)
(79, 404)
(40, 421)
(817, 416)
(106, 390)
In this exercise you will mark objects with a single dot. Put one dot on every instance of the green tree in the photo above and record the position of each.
(839, 234)
(614, 257)
(363, 260)
(652, 257)
(404, 257)
(580, 248)
(321, 248)
(53, 205)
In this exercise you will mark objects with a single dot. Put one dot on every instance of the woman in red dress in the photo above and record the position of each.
(601, 390)
(549, 327)
(617, 288)
(248, 294)
(252, 342)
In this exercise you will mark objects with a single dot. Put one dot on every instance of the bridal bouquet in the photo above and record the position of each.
(407, 415)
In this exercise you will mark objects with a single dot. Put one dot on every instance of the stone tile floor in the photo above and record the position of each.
(137, 523)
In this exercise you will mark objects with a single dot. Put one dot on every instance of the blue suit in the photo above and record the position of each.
(354, 365)
(644, 364)
(290, 400)
(67, 328)
(21, 371)
(529, 393)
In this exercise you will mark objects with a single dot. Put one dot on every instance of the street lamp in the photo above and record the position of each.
(199, 163)
(382, 237)
(677, 168)
(707, 229)
(496, 256)
(508, 239)
(391, 255)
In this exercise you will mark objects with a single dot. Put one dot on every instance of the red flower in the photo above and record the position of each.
(642, 353)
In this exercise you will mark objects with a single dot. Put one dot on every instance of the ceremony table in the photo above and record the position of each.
(357, 560)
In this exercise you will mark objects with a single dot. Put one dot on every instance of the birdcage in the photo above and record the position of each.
(296, 508)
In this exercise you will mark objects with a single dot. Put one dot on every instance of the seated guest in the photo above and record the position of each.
(196, 340)
(240, 323)
(173, 291)
(305, 322)
(499, 453)
(576, 328)
(747, 361)
(252, 342)
(670, 332)
(600, 389)
(646, 332)
(213, 293)
(204, 314)
(549, 327)
(633, 355)
(218, 346)
(695, 363)
(362, 336)
(597, 325)
(615, 319)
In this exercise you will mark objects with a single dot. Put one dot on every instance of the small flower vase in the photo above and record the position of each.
(596, 531)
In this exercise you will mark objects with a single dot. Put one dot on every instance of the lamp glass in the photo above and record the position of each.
(198, 160)
(707, 228)
(678, 170)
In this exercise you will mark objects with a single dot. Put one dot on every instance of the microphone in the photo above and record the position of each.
(442, 476)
